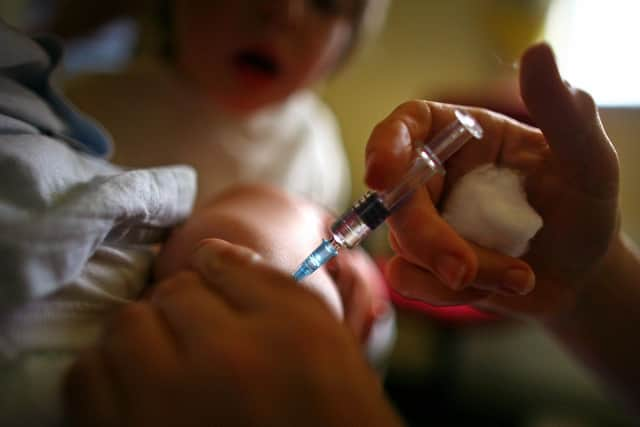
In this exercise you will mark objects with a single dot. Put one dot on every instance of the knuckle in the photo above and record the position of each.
(183, 281)
(128, 322)
(586, 101)
(583, 95)
(418, 245)
(415, 107)
(388, 125)
(132, 313)
(209, 249)
(415, 114)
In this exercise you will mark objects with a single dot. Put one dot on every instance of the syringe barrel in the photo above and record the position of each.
(373, 208)
(423, 167)
(431, 157)
(449, 140)
(364, 216)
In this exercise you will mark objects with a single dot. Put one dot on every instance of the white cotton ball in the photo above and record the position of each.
(488, 206)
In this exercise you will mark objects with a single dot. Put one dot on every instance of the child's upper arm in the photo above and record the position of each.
(57, 206)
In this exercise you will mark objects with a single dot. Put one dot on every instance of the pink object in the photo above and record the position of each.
(461, 315)
(455, 315)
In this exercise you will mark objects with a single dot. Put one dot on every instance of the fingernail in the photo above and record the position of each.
(206, 253)
(218, 253)
(451, 270)
(517, 281)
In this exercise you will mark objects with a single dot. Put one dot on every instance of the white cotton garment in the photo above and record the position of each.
(294, 144)
(489, 206)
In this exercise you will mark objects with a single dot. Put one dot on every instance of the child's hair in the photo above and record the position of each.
(158, 35)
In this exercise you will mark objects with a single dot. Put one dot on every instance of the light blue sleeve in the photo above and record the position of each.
(58, 199)
(58, 205)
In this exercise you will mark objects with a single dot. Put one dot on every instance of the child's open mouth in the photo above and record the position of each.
(256, 64)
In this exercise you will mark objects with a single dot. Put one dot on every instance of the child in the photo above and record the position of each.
(229, 93)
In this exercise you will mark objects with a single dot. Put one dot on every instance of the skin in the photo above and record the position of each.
(217, 335)
(558, 186)
(579, 277)
(305, 39)
(585, 290)
(283, 229)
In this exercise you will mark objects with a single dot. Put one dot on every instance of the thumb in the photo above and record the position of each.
(569, 120)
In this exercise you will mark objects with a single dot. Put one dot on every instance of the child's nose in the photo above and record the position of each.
(285, 13)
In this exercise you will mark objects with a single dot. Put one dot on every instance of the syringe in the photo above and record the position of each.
(350, 229)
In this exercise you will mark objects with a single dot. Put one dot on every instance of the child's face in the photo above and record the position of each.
(247, 54)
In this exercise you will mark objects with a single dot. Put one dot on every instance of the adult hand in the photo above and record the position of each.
(571, 179)
(234, 342)
(287, 229)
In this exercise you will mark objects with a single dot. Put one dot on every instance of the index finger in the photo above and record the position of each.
(422, 236)
(390, 146)
(393, 142)
(240, 277)
(189, 309)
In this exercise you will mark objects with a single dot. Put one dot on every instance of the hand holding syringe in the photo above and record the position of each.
(350, 229)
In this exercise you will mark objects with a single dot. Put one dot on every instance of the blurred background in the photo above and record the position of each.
(449, 367)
